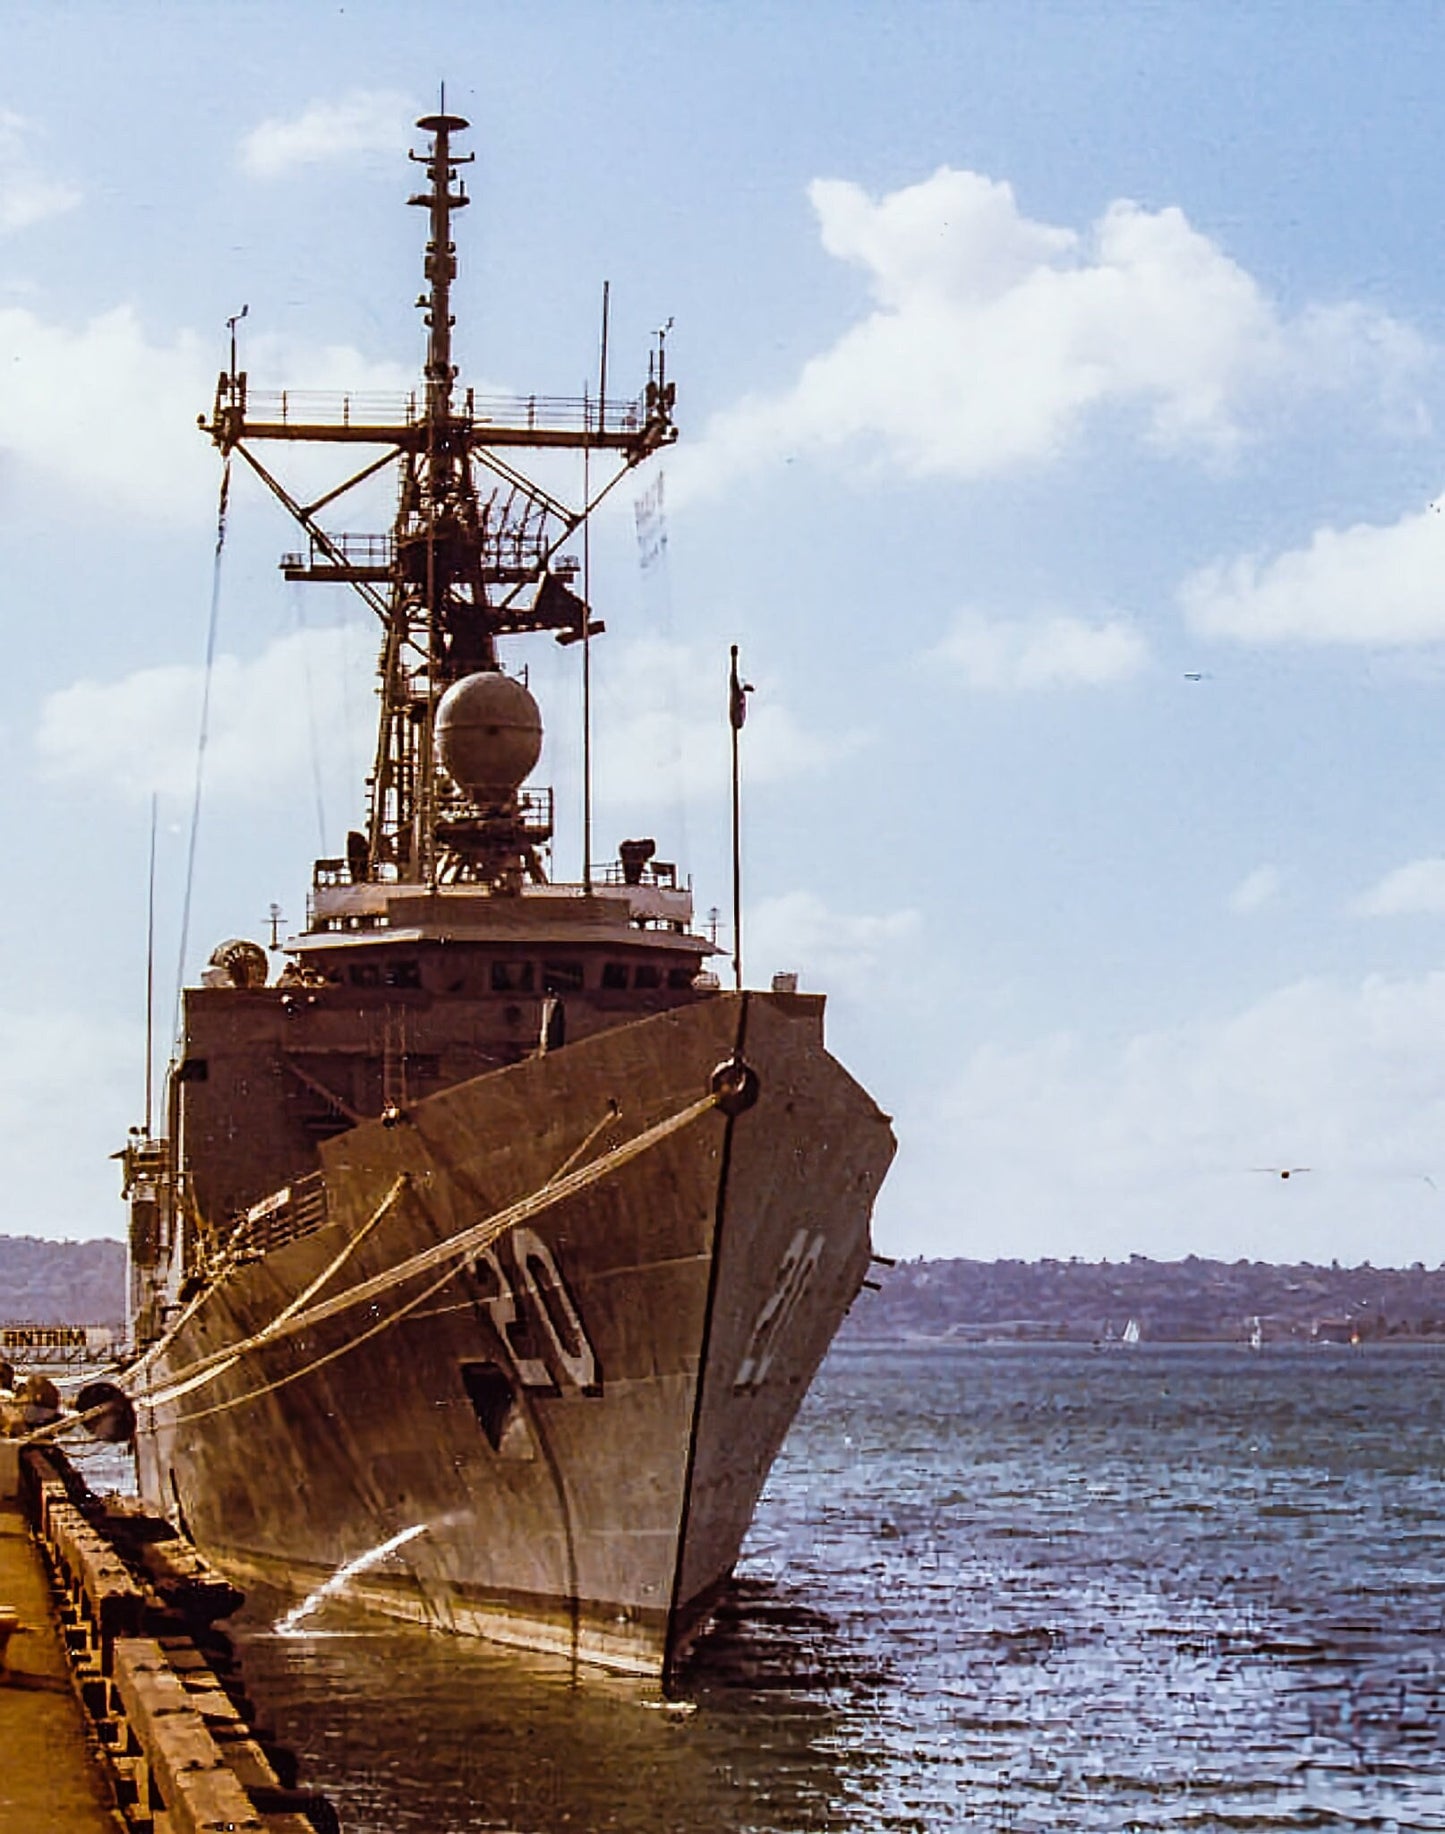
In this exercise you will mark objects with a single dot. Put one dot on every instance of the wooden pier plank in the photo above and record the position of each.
(50, 1777)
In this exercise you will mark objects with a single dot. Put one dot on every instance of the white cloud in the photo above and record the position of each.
(1367, 584)
(70, 1085)
(105, 409)
(994, 338)
(27, 194)
(832, 952)
(662, 732)
(1416, 890)
(1065, 1146)
(1010, 654)
(362, 121)
(302, 704)
(1256, 890)
(305, 708)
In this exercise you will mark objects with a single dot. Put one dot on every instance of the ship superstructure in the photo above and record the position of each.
(491, 1217)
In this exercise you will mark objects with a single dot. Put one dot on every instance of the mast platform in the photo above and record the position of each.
(635, 425)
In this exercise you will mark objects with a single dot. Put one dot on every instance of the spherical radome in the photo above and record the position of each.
(488, 734)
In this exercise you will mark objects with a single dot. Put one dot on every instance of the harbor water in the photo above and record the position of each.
(1015, 1587)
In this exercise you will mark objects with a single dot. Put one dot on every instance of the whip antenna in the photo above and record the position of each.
(587, 605)
(150, 969)
(204, 732)
(738, 691)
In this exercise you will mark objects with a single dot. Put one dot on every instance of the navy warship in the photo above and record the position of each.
(488, 1248)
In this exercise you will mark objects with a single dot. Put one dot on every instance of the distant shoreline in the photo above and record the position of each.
(1188, 1301)
(1193, 1301)
(850, 1341)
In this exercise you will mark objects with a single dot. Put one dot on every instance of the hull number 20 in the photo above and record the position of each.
(531, 1310)
(795, 1270)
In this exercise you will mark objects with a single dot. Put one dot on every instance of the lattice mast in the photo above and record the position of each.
(474, 554)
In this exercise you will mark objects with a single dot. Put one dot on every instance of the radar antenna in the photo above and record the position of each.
(475, 553)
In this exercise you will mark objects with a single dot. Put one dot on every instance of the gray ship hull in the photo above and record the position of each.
(594, 1298)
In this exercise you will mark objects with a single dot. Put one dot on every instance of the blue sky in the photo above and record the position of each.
(1060, 390)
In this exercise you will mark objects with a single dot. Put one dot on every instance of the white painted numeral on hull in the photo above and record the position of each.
(533, 1304)
(794, 1272)
(555, 1308)
(531, 1371)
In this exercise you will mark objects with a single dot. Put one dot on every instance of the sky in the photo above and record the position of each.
(1061, 391)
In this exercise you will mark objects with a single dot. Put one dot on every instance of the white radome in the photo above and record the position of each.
(488, 735)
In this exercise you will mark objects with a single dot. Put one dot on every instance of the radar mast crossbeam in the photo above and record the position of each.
(461, 567)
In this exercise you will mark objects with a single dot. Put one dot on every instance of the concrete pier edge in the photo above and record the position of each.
(112, 1715)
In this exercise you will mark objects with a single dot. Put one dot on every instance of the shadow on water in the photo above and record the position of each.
(762, 1638)
(407, 1729)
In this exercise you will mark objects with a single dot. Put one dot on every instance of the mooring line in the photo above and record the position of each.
(217, 1357)
(320, 1362)
(450, 1254)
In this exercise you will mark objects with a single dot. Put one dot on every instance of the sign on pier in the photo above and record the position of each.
(64, 1344)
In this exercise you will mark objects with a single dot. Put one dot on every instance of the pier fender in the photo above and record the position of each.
(735, 1084)
(38, 1401)
(106, 1413)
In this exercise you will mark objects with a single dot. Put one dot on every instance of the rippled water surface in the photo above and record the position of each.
(1006, 1587)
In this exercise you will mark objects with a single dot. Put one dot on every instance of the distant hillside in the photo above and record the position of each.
(1177, 1301)
(51, 1283)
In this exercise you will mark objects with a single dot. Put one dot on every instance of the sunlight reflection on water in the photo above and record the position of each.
(1027, 1588)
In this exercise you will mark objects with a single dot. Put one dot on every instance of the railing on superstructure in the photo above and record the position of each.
(329, 407)
(657, 899)
(535, 806)
(375, 553)
(534, 814)
(636, 424)
(298, 1209)
(510, 557)
(662, 873)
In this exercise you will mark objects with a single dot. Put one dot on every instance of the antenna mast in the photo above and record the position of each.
(151, 972)
(475, 553)
(447, 500)
(587, 600)
(738, 692)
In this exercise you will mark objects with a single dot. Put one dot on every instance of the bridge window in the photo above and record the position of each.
(365, 974)
(403, 974)
(562, 977)
(614, 975)
(680, 977)
(647, 974)
(512, 977)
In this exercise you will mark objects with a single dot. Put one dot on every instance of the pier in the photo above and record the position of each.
(121, 1706)
(52, 1775)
